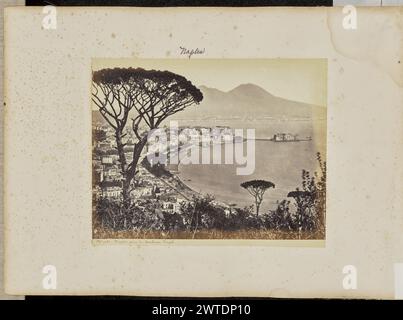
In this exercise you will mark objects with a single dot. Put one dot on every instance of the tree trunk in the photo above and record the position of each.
(123, 166)
(131, 171)
(126, 190)
(121, 152)
(257, 208)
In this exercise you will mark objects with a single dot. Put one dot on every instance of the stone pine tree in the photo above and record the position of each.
(257, 188)
(141, 99)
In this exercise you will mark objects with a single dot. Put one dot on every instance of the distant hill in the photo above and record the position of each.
(247, 101)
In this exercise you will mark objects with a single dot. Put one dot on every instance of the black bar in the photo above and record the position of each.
(182, 3)
(111, 307)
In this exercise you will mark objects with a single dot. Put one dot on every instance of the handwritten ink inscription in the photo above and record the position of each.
(190, 52)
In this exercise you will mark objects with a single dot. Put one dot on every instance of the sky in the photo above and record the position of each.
(303, 80)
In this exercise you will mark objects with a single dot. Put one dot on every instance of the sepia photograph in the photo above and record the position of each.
(203, 154)
(209, 149)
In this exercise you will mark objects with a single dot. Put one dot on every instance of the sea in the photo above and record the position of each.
(279, 162)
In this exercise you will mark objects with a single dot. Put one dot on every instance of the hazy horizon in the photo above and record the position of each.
(202, 86)
(301, 80)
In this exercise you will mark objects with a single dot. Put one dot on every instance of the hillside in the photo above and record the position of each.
(249, 101)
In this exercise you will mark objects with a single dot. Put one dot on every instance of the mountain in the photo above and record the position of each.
(249, 106)
(248, 101)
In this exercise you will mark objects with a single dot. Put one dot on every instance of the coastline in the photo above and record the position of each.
(188, 193)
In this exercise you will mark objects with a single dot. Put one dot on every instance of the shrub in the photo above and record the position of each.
(281, 218)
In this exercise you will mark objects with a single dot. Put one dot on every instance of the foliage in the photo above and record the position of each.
(309, 204)
(99, 135)
(257, 184)
(153, 95)
(302, 216)
(138, 77)
(281, 218)
(257, 188)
